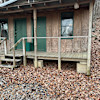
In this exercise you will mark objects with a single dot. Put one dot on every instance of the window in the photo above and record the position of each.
(67, 24)
(4, 28)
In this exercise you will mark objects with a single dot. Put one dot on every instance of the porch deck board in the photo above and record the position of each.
(52, 56)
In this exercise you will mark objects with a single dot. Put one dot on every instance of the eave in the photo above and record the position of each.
(39, 6)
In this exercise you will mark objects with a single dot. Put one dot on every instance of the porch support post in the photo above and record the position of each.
(35, 35)
(89, 37)
(24, 53)
(14, 63)
(59, 53)
(5, 46)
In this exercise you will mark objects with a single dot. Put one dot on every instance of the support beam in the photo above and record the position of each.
(89, 37)
(24, 53)
(14, 63)
(35, 35)
(5, 46)
(59, 54)
(18, 6)
(28, 1)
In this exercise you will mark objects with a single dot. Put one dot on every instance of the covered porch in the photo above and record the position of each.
(51, 56)
(76, 47)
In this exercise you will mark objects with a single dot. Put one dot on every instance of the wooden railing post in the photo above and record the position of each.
(14, 63)
(89, 37)
(5, 46)
(59, 53)
(35, 35)
(24, 53)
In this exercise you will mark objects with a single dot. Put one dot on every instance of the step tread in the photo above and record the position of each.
(7, 66)
(10, 60)
(11, 55)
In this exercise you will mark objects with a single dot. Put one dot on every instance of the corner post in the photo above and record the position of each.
(5, 45)
(59, 53)
(24, 52)
(89, 37)
(35, 36)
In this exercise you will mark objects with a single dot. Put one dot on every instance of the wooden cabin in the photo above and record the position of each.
(46, 30)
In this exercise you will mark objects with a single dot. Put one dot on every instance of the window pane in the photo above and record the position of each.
(3, 28)
(67, 22)
(67, 27)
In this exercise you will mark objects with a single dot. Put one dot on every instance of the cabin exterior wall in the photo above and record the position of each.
(81, 27)
(53, 29)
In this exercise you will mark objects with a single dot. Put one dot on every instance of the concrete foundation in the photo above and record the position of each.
(40, 63)
(81, 67)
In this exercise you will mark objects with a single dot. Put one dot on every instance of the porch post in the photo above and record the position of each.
(24, 53)
(35, 35)
(14, 62)
(89, 37)
(5, 46)
(59, 53)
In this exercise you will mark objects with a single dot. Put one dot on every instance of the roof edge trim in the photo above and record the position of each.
(7, 3)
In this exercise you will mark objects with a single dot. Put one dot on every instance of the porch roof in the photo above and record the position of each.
(26, 5)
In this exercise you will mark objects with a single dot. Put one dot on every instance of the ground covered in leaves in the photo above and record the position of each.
(28, 83)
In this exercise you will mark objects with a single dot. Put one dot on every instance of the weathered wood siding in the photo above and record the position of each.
(11, 32)
(81, 25)
(53, 28)
(10, 41)
(29, 28)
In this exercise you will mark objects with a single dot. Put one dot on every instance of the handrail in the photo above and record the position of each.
(13, 48)
(2, 41)
(24, 48)
(16, 44)
(2, 37)
(5, 43)
(43, 38)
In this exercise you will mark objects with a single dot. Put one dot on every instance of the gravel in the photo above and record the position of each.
(47, 83)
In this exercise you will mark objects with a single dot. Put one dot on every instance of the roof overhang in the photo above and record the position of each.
(7, 3)
(47, 4)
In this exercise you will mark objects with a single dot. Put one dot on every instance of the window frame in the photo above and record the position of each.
(7, 30)
(72, 26)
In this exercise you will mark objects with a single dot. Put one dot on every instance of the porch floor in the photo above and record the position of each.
(51, 56)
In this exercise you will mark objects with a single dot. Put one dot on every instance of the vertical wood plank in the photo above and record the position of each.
(24, 53)
(89, 37)
(29, 29)
(11, 41)
(35, 35)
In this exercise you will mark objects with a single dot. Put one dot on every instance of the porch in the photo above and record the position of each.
(50, 56)
(59, 41)
(77, 53)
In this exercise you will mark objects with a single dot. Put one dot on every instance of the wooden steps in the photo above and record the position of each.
(10, 60)
(16, 55)
(7, 66)
(7, 61)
